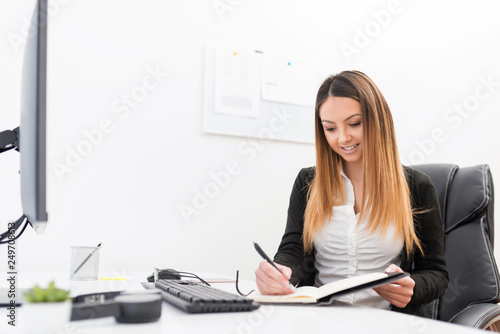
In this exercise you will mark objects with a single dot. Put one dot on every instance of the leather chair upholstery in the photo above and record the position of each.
(466, 203)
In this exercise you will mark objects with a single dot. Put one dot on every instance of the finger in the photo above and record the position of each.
(402, 281)
(396, 294)
(271, 287)
(398, 300)
(405, 282)
(393, 289)
(287, 272)
(395, 299)
(277, 275)
(393, 269)
(271, 281)
(399, 286)
(405, 286)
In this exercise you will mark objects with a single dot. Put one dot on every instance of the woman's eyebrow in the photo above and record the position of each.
(348, 118)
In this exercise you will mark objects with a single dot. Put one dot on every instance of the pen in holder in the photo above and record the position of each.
(84, 263)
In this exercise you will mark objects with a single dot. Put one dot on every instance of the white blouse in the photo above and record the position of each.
(344, 250)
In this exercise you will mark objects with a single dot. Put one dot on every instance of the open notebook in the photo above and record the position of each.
(312, 295)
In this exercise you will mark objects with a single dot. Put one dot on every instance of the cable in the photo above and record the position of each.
(6, 236)
(191, 275)
(237, 288)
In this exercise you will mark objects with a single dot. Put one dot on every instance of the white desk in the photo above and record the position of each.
(267, 319)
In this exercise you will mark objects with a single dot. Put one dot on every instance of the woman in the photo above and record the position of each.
(359, 210)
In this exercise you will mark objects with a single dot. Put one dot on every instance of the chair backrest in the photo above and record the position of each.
(466, 202)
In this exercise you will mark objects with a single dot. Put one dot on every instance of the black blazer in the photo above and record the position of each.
(427, 270)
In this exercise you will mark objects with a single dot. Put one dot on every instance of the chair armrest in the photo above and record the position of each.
(480, 316)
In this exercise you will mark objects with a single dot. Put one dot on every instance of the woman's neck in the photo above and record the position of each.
(354, 171)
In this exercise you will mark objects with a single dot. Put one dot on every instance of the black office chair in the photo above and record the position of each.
(466, 201)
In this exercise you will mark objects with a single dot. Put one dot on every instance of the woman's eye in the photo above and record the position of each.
(355, 124)
(329, 129)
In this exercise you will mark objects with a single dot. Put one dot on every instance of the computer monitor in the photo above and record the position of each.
(32, 130)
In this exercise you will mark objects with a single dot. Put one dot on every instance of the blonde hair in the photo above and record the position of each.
(386, 197)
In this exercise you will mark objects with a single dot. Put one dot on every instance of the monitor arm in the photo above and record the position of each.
(9, 139)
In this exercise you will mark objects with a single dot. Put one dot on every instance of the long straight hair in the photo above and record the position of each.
(386, 197)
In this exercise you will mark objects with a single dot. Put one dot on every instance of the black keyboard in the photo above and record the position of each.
(194, 297)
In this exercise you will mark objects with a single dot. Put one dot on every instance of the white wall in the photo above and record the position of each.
(429, 58)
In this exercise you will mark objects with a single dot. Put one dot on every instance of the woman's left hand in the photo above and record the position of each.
(399, 292)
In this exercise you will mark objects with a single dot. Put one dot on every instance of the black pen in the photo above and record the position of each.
(265, 257)
(268, 259)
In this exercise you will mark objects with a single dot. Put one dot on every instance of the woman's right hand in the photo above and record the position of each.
(272, 282)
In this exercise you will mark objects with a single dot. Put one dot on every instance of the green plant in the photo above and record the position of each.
(48, 295)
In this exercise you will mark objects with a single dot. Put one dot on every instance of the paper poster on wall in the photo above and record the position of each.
(289, 81)
(245, 97)
(237, 76)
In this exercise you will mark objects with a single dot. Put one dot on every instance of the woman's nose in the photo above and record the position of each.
(344, 136)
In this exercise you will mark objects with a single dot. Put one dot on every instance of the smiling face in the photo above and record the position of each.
(342, 118)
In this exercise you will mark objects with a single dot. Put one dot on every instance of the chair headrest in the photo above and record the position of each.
(441, 176)
(469, 193)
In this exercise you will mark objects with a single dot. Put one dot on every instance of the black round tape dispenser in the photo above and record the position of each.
(138, 308)
(126, 307)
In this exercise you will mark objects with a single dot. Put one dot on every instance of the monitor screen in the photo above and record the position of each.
(32, 130)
